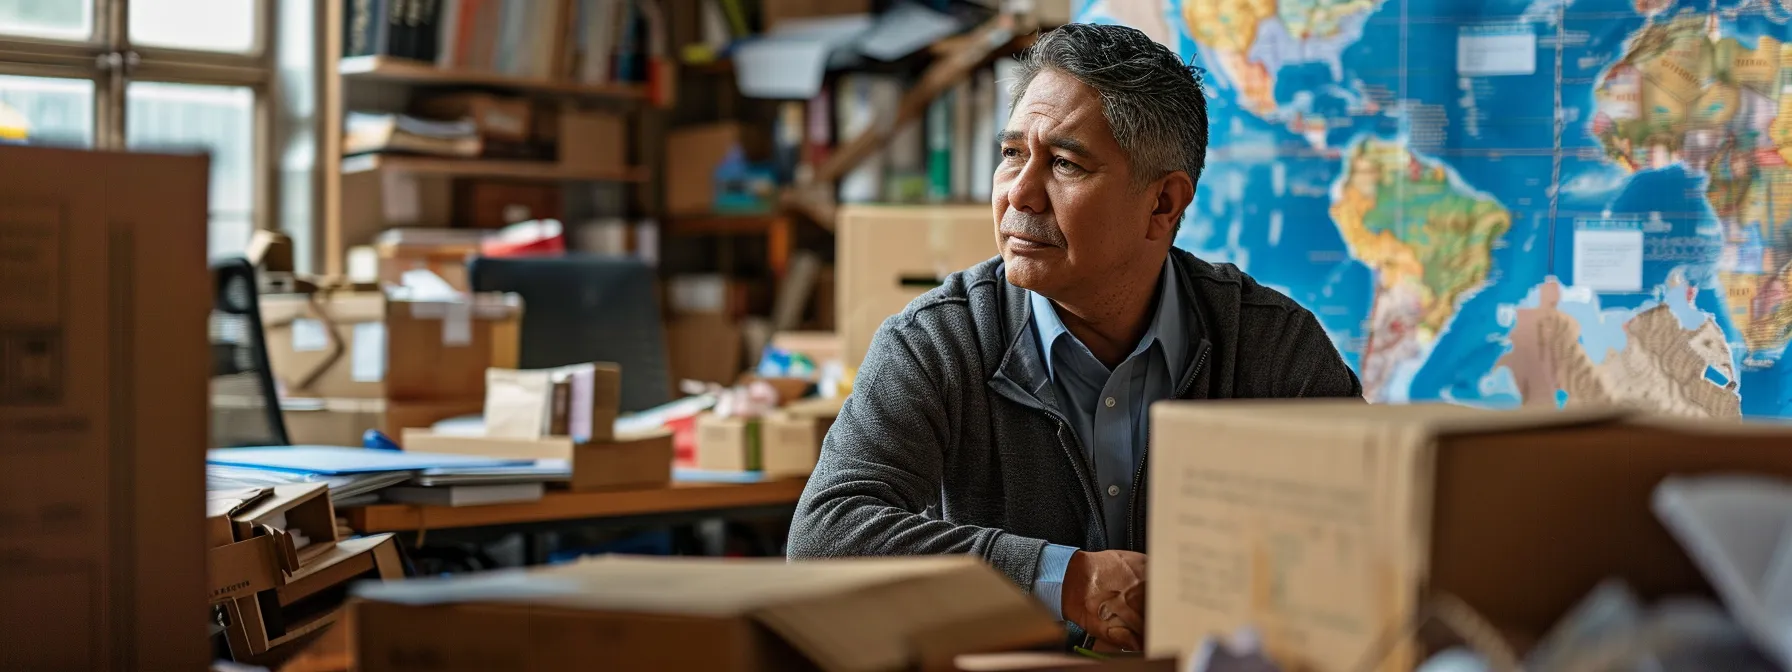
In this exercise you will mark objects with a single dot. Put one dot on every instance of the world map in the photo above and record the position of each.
(1511, 202)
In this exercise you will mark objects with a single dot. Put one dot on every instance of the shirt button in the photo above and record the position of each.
(1110, 402)
(1113, 491)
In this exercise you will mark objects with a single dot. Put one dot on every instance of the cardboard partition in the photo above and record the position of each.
(312, 598)
(300, 515)
(362, 345)
(749, 615)
(728, 444)
(886, 256)
(105, 296)
(1325, 525)
(243, 568)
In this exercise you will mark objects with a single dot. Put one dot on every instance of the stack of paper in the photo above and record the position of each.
(350, 472)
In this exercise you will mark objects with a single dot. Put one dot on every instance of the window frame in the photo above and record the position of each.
(109, 60)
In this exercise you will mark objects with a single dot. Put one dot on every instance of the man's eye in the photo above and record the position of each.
(1010, 153)
(1065, 165)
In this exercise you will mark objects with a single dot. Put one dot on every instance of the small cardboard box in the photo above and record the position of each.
(628, 461)
(1325, 525)
(311, 599)
(791, 438)
(728, 444)
(300, 516)
(730, 615)
(362, 345)
(886, 256)
(593, 140)
(331, 422)
(403, 415)
(581, 401)
(244, 568)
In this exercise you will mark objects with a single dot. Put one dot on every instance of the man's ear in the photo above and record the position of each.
(1174, 192)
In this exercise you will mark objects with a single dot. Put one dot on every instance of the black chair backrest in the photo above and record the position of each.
(245, 402)
(582, 308)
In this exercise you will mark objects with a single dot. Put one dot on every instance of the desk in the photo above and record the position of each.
(567, 506)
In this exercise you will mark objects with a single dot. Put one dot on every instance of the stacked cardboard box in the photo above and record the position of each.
(785, 443)
(568, 413)
(378, 362)
(1327, 526)
(278, 569)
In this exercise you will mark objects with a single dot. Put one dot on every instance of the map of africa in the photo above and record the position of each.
(1511, 202)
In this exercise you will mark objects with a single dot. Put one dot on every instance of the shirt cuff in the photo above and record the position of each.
(1048, 581)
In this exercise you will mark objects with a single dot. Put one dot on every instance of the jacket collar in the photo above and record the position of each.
(1023, 377)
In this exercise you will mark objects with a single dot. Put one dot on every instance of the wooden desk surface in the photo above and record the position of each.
(564, 505)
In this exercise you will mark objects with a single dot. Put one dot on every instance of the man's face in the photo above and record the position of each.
(1066, 210)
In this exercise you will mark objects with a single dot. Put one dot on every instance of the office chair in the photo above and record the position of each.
(245, 401)
(584, 308)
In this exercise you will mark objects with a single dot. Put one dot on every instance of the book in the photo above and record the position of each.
(365, 133)
(465, 495)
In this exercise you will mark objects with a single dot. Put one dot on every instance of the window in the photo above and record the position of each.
(176, 76)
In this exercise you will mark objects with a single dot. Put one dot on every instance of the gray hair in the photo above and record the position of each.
(1152, 99)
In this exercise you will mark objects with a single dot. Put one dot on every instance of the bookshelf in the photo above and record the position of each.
(388, 69)
(491, 168)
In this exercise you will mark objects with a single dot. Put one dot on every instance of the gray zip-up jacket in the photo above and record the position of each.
(951, 441)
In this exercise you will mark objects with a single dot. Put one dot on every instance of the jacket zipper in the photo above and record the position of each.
(1076, 463)
(1138, 476)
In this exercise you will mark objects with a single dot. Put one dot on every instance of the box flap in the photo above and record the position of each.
(283, 498)
(242, 569)
(339, 553)
(1305, 415)
(232, 501)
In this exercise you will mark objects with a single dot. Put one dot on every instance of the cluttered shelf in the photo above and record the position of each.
(676, 497)
(726, 224)
(405, 70)
(525, 170)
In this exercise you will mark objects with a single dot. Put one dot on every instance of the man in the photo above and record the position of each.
(1004, 413)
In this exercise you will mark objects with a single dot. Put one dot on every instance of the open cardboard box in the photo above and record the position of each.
(312, 599)
(1326, 525)
(235, 568)
(627, 461)
(701, 613)
(301, 509)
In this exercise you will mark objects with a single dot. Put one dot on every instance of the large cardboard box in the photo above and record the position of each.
(888, 255)
(331, 422)
(104, 301)
(1325, 525)
(701, 614)
(363, 345)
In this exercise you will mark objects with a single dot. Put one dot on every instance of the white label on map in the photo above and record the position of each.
(368, 363)
(1487, 51)
(1609, 261)
(308, 335)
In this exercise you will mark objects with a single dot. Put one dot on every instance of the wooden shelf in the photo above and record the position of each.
(521, 170)
(404, 70)
(724, 224)
(572, 506)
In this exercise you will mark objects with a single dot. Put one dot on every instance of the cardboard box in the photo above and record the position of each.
(581, 401)
(728, 444)
(362, 345)
(887, 256)
(331, 422)
(244, 568)
(1324, 525)
(692, 155)
(495, 204)
(376, 200)
(311, 599)
(104, 298)
(705, 348)
(498, 117)
(300, 516)
(629, 461)
(593, 140)
(746, 614)
(791, 438)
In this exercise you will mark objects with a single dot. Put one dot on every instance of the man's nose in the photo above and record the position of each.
(1026, 192)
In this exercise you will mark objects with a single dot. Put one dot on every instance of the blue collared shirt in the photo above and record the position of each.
(1107, 411)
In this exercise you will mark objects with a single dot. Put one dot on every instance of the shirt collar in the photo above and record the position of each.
(1166, 324)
